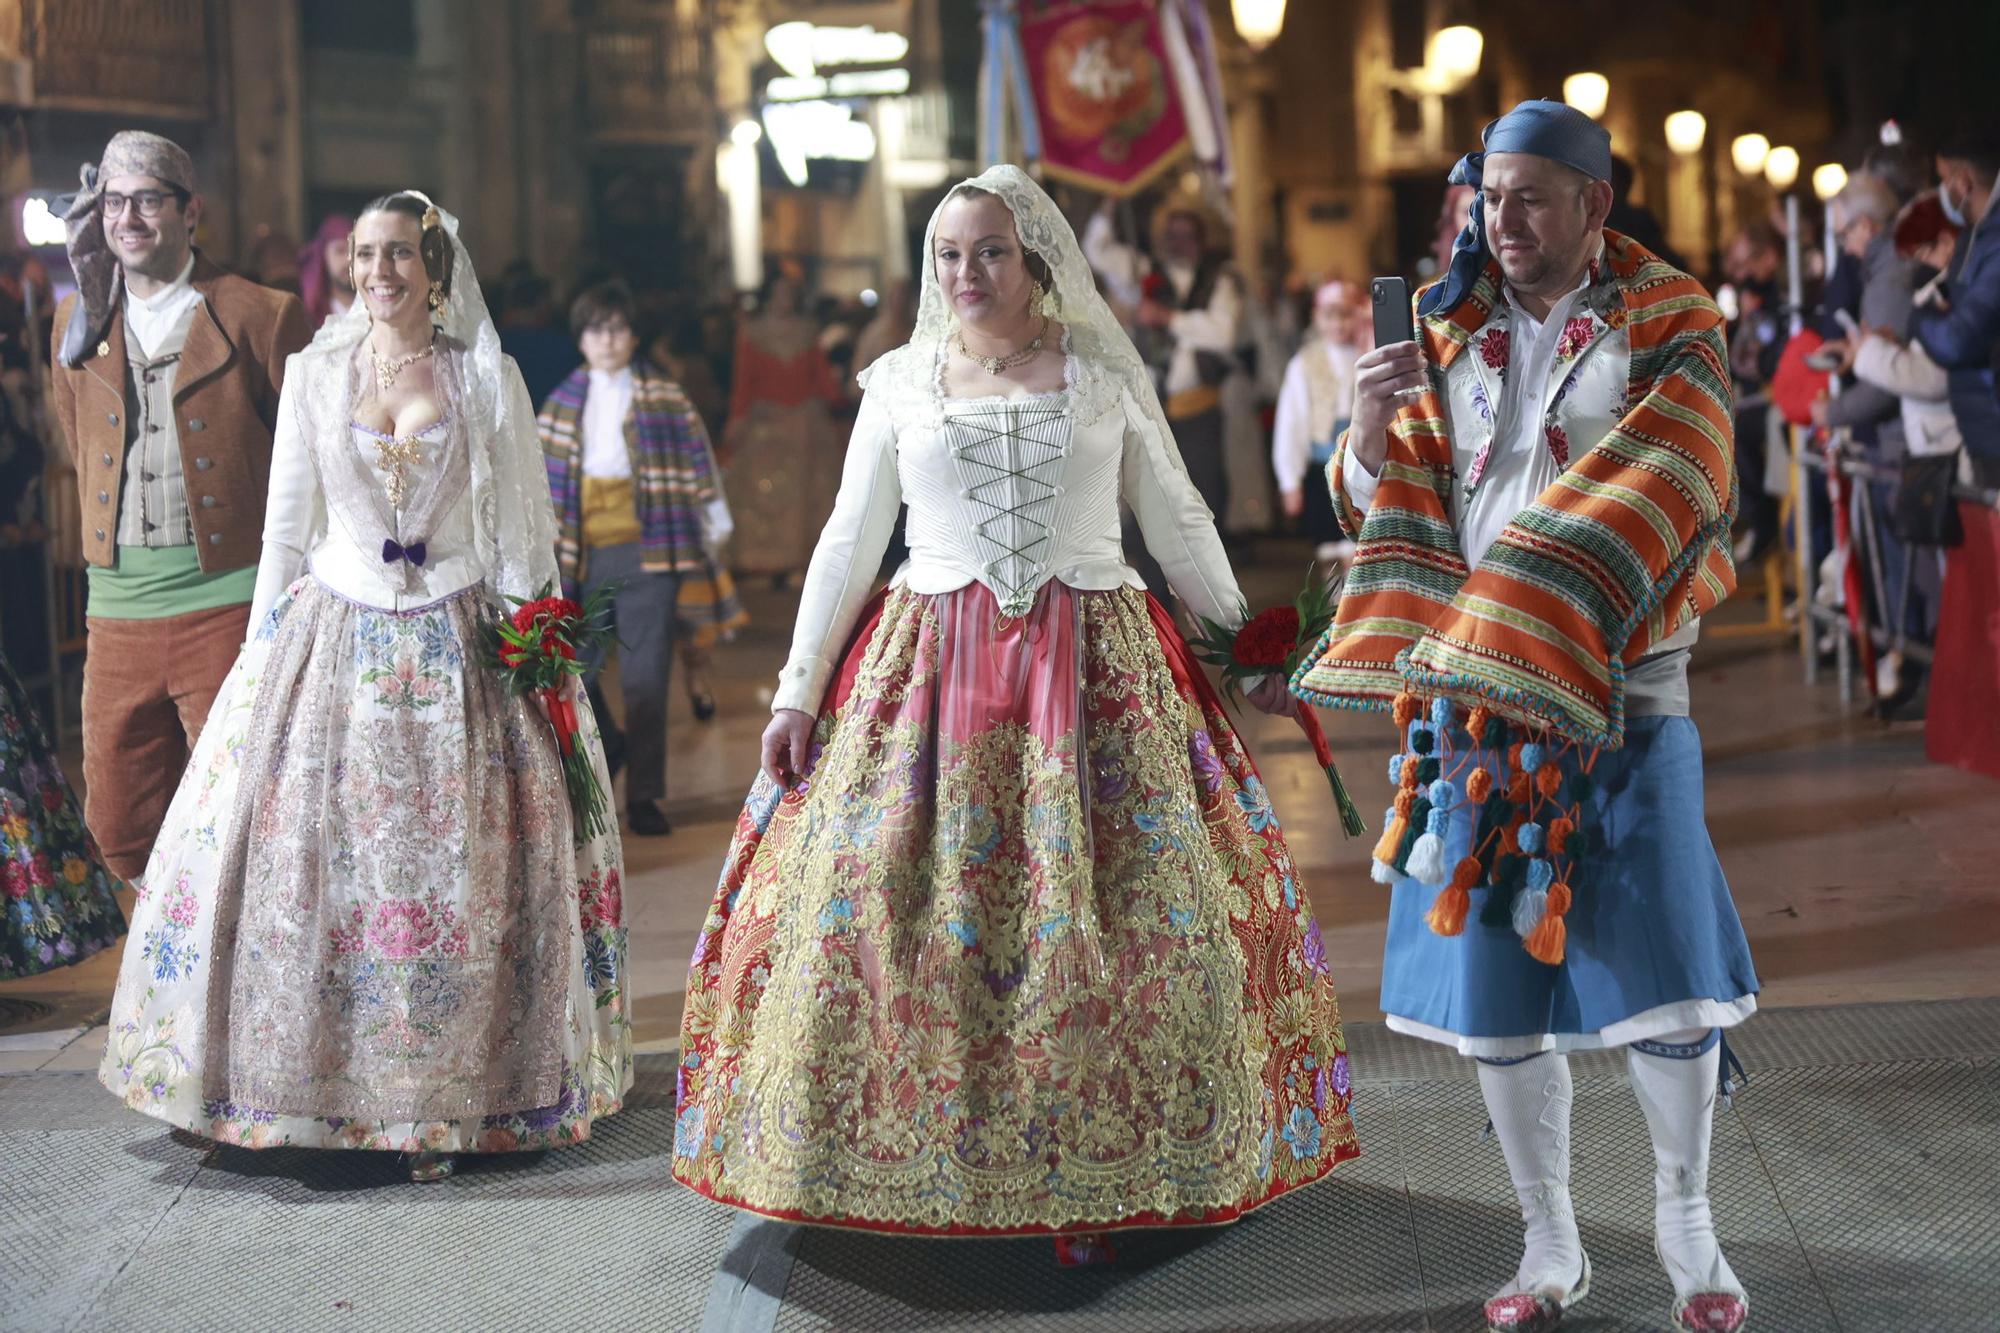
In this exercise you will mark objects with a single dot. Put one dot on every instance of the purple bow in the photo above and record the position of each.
(393, 550)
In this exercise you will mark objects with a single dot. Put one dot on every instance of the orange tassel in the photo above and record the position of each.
(1406, 802)
(1407, 707)
(1475, 723)
(1548, 780)
(1447, 914)
(1559, 831)
(1518, 788)
(1479, 786)
(1514, 757)
(1510, 840)
(1409, 778)
(1546, 942)
(1392, 836)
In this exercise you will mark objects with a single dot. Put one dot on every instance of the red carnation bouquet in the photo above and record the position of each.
(536, 652)
(1277, 640)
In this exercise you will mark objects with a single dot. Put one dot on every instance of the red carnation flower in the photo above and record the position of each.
(1268, 637)
(1493, 349)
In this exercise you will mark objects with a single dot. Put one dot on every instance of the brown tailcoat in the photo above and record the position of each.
(225, 407)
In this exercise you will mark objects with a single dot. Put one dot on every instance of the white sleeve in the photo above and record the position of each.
(1906, 371)
(1291, 449)
(1178, 527)
(1358, 480)
(1116, 262)
(525, 524)
(294, 506)
(1214, 327)
(845, 561)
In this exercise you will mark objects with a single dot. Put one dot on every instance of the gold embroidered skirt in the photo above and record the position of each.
(1025, 952)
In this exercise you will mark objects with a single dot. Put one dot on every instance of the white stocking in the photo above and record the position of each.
(1530, 1105)
(1674, 1078)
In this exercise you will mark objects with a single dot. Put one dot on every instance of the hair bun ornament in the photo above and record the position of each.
(431, 217)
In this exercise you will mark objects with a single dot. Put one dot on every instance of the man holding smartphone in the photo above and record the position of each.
(1541, 484)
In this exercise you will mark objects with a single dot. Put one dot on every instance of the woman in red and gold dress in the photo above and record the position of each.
(1009, 940)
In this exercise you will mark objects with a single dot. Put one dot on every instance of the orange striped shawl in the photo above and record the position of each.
(1624, 548)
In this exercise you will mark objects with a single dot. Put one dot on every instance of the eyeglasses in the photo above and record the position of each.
(148, 202)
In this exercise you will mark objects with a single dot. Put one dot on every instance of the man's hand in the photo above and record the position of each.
(1292, 502)
(1379, 376)
(785, 743)
(1271, 696)
(1154, 315)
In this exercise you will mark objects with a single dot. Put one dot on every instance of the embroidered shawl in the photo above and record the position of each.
(1628, 545)
(673, 475)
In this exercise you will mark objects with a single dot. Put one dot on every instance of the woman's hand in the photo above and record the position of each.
(1272, 696)
(785, 742)
(1293, 503)
(570, 689)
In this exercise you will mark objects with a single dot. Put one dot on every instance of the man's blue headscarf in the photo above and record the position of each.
(1554, 130)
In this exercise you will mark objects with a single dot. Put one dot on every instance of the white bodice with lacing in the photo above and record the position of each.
(1008, 492)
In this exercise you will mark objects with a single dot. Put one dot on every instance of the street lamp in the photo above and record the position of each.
(1587, 92)
(1828, 180)
(1258, 22)
(1685, 131)
(1749, 152)
(1781, 168)
(1453, 55)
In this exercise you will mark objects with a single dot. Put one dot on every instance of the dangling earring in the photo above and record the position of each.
(1036, 298)
(436, 299)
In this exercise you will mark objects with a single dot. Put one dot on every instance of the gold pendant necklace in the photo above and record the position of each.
(993, 365)
(388, 369)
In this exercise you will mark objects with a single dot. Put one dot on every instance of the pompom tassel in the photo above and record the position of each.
(1448, 913)
(1530, 905)
(1550, 937)
(1426, 863)
(1393, 825)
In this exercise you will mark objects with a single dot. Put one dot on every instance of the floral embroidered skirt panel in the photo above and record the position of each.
(364, 924)
(1025, 952)
(57, 901)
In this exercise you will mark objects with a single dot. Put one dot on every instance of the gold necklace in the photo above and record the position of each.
(388, 369)
(993, 365)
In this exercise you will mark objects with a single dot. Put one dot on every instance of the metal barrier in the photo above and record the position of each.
(1863, 527)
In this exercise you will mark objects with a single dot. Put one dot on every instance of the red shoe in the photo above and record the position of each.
(1711, 1312)
(1535, 1311)
(1084, 1249)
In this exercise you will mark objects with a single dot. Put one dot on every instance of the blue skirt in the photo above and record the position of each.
(1655, 945)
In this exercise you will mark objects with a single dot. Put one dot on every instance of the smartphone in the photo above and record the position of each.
(1393, 323)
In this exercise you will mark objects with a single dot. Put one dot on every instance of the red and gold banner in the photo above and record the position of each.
(1110, 116)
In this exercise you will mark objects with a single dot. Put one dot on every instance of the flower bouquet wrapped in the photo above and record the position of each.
(536, 651)
(1277, 640)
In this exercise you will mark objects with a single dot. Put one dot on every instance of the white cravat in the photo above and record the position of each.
(151, 318)
(605, 407)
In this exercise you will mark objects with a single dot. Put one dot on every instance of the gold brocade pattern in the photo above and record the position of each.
(1025, 952)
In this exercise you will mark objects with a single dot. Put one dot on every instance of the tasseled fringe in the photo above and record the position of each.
(1520, 878)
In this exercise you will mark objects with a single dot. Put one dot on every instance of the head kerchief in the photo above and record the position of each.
(1554, 130)
(130, 153)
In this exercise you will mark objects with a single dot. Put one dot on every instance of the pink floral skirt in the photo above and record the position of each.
(1025, 952)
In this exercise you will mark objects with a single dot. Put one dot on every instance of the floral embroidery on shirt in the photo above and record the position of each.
(1493, 350)
(1558, 444)
(1575, 337)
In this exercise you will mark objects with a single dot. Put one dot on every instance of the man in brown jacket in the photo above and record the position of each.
(166, 385)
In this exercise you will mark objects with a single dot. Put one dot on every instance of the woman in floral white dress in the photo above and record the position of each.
(365, 923)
